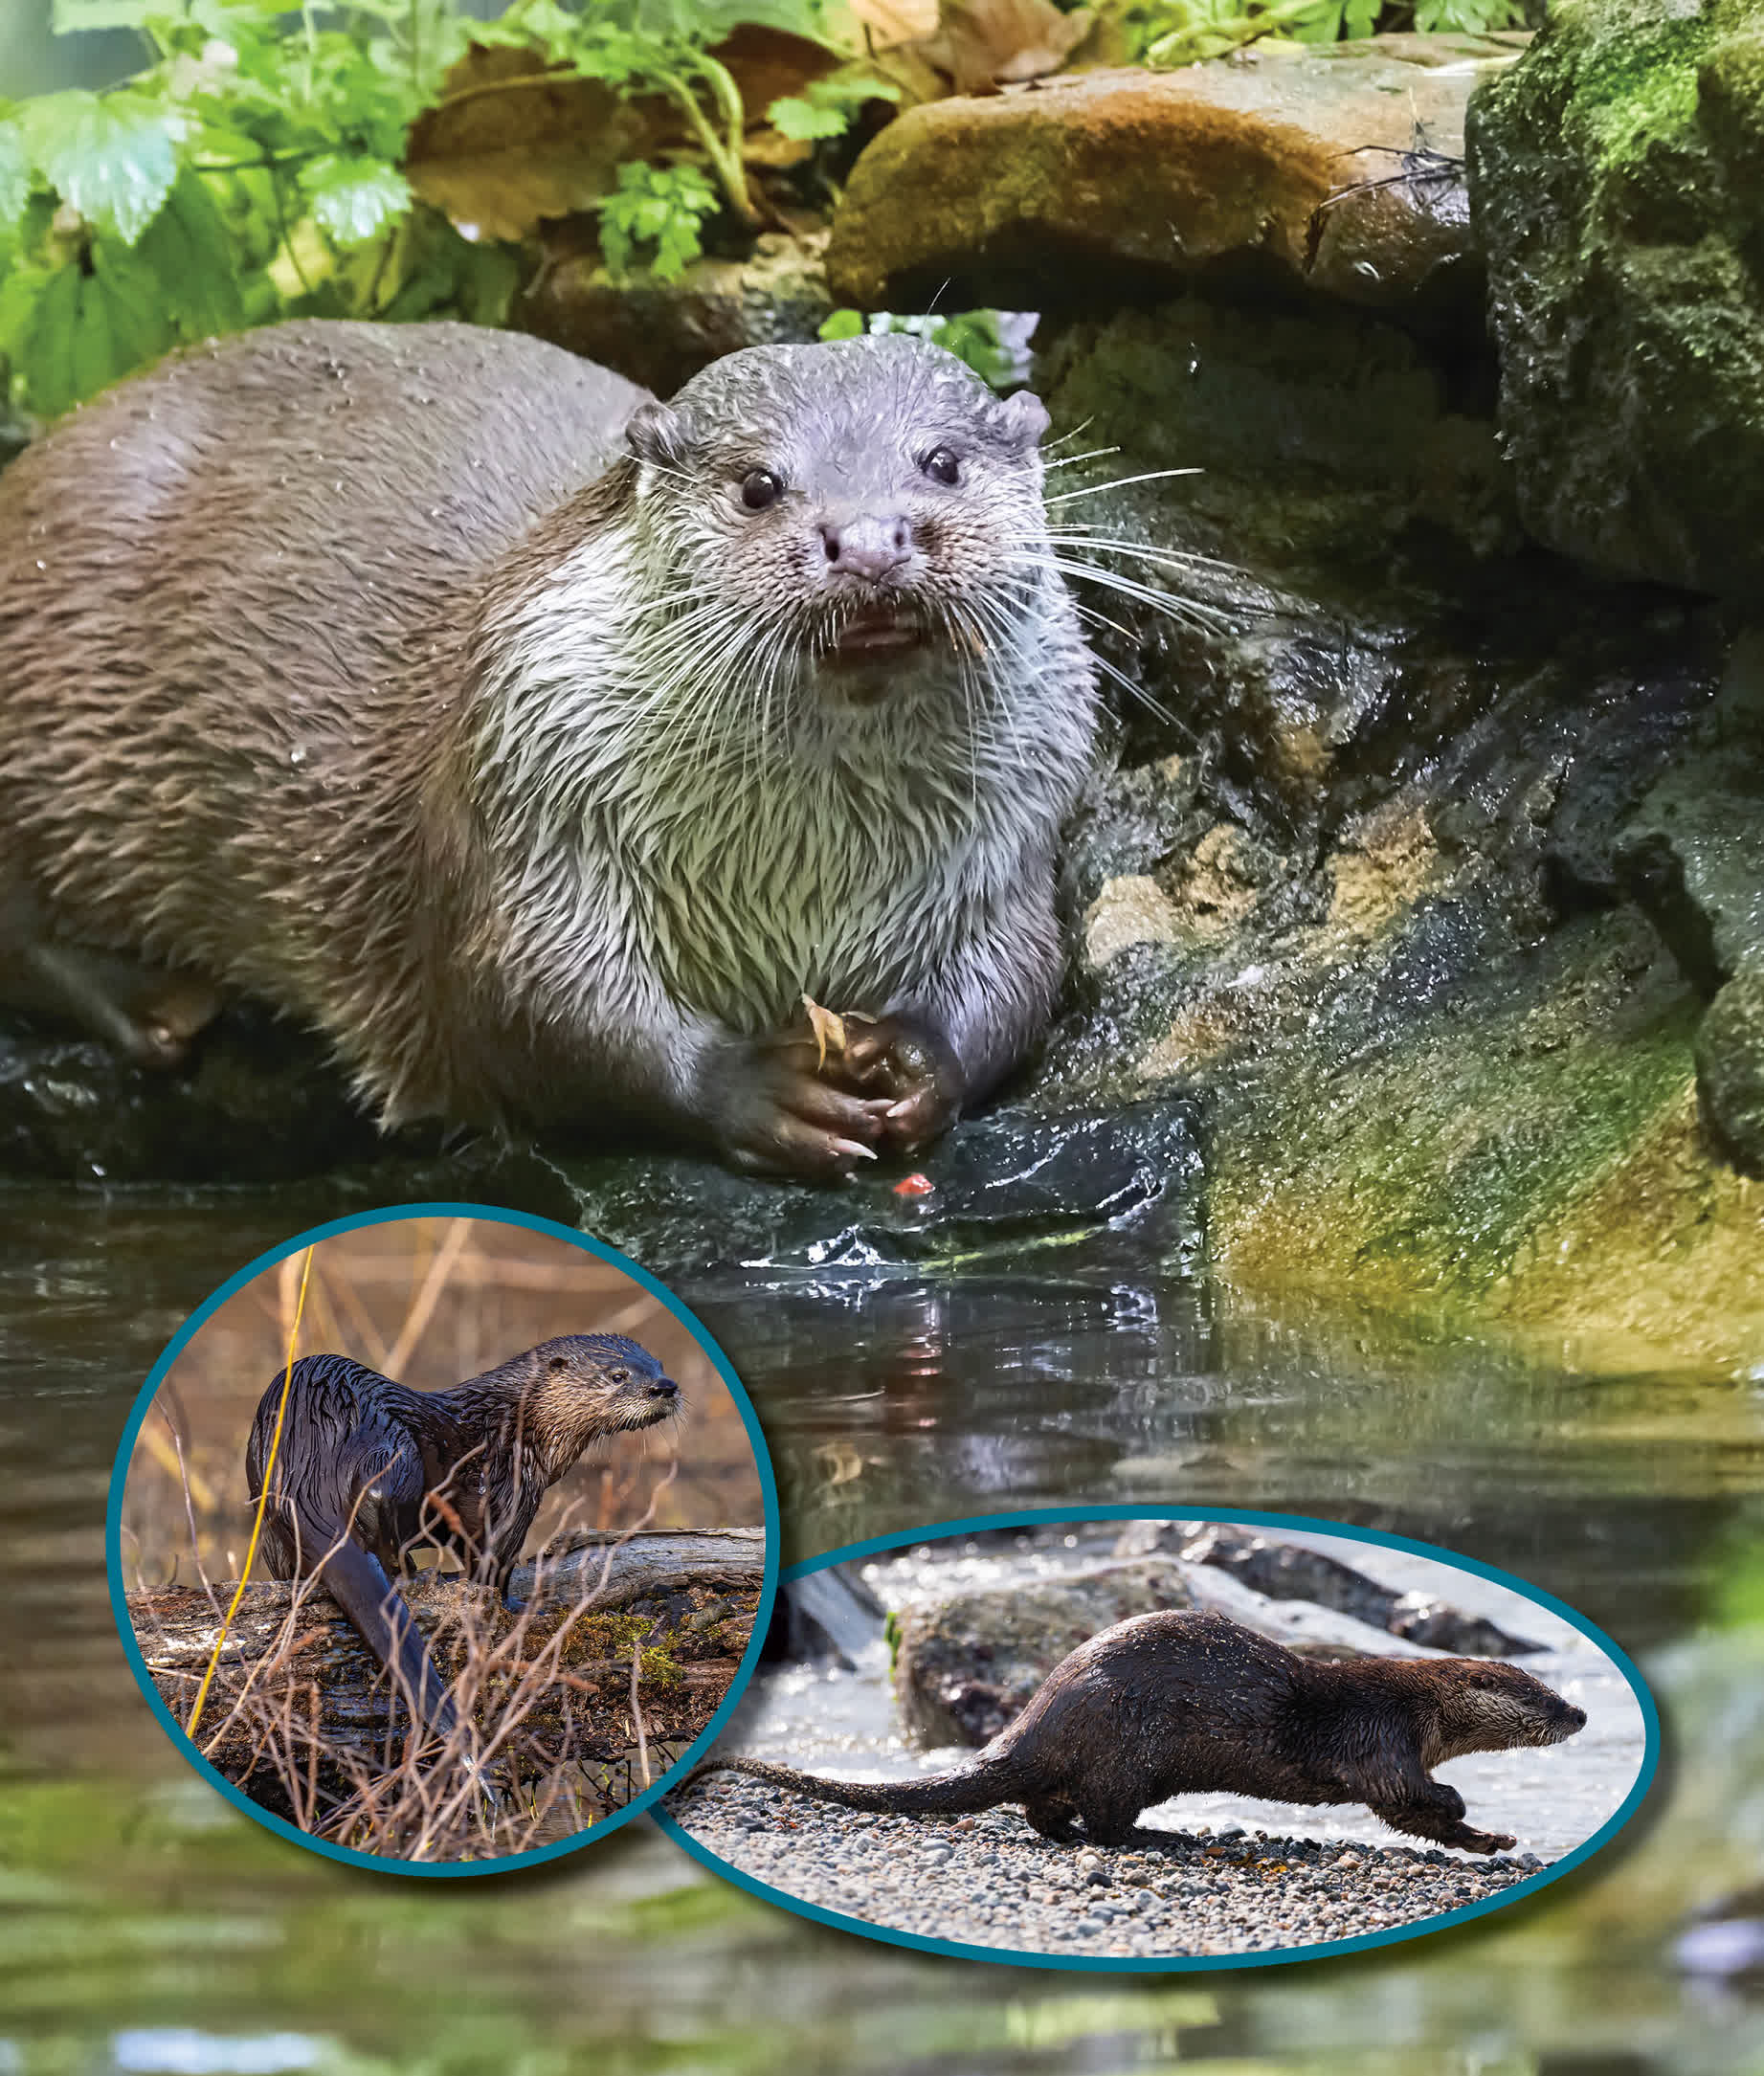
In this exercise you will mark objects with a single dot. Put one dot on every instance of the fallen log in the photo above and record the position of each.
(618, 1653)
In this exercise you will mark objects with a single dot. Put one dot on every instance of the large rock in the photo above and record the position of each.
(1358, 882)
(1693, 856)
(1616, 178)
(1141, 182)
(1282, 1571)
(966, 1664)
(660, 333)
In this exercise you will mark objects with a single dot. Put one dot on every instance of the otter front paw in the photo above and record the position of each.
(770, 1113)
(1479, 1841)
(913, 1066)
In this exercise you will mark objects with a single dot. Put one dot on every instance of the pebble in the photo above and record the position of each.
(989, 1881)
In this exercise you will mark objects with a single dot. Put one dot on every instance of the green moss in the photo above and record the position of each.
(659, 1669)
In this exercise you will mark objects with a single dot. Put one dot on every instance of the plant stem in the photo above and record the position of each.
(724, 163)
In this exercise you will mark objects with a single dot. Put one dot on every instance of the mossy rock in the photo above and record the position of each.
(1615, 185)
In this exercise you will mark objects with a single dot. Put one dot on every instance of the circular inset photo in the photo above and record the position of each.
(441, 1537)
(1117, 1742)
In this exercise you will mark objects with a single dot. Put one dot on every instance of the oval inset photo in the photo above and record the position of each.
(1120, 1742)
(441, 1537)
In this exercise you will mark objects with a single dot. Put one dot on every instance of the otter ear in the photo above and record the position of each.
(1020, 420)
(655, 434)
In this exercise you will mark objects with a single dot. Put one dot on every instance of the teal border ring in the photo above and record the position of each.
(1210, 1963)
(113, 1538)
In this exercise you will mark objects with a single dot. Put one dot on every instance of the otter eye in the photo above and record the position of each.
(759, 488)
(557, 1363)
(942, 466)
(619, 1376)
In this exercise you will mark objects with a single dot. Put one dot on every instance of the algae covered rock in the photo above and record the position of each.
(1616, 183)
(1730, 1057)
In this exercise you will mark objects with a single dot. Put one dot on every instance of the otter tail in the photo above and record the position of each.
(360, 1588)
(938, 1794)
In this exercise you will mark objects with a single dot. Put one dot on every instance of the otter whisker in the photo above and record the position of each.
(1121, 483)
(1166, 602)
(1070, 461)
(1079, 535)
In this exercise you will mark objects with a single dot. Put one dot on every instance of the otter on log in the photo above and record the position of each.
(370, 1472)
(543, 745)
(1177, 1704)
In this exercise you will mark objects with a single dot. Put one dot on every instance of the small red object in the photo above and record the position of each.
(914, 1186)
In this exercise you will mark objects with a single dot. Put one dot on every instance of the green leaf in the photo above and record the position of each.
(15, 176)
(656, 206)
(111, 158)
(132, 299)
(354, 199)
(802, 121)
(45, 344)
(186, 250)
(21, 290)
(843, 324)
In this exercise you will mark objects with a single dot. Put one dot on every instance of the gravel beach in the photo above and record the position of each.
(989, 1881)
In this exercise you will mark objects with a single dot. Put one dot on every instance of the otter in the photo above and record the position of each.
(543, 745)
(368, 1472)
(1177, 1704)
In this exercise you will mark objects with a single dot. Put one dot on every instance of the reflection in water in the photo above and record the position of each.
(889, 1405)
(143, 1919)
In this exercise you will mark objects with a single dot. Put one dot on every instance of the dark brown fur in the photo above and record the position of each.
(367, 1473)
(1181, 1704)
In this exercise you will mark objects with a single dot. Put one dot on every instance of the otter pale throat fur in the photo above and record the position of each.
(367, 1473)
(1177, 1704)
(543, 745)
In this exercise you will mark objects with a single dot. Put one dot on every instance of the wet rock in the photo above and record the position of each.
(1693, 853)
(1428, 1049)
(1693, 857)
(998, 1184)
(1315, 170)
(257, 1103)
(1289, 1571)
(1730, 1056)
(660, 333)
(1616, 191)
(966, 1664)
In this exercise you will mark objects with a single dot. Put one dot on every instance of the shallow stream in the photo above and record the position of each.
(146, 1927)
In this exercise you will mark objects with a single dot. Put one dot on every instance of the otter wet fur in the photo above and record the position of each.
(543, 745)
(368, 1472)
(1179, 1704)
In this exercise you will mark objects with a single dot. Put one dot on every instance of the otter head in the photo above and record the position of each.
(1487, 1704)
(859, 517)
(600, 1384)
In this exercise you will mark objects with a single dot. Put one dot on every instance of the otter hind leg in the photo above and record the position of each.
(1109, 1821)
(278, 1546)
(1053, 1819)
(149, 1013)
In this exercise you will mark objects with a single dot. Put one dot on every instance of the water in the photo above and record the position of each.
(146, 1926)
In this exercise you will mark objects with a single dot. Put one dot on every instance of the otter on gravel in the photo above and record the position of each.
(367, 1473)
(543, 745)
(1178, 1703)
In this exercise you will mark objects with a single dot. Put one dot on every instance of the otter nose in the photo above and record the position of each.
(869, 545)
(663, 1387)
(1577, 1716)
